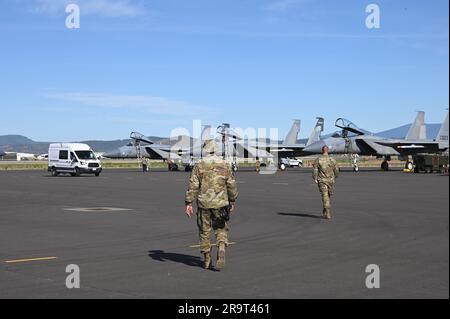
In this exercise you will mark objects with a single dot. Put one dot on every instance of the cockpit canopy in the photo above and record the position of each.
(349, 126)
(337, 134)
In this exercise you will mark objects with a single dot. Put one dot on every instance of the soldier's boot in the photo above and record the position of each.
(220, 256)
(327, 213)
(207, 260)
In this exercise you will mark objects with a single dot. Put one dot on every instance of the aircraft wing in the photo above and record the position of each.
(411, 147)
(370, 146)
(158, 153)
(281, 150)
(254, 152)
(293, 150)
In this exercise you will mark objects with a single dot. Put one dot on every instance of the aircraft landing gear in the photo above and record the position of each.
(385, 166)
(409, 166)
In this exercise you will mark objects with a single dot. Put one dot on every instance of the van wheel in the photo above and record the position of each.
(97, 174)
(54, 172)
(77, 172)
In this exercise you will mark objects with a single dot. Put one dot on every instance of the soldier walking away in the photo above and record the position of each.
(258, 165)
(213, 186)
(324, 174)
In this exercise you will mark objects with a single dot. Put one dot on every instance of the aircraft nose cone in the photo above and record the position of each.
(315, 148)
(112, 154)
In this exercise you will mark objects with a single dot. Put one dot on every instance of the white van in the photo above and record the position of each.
(72, 158)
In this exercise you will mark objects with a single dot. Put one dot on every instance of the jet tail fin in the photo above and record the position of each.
(317, 131)
(418, 130)
(292, 136)
(442, 136)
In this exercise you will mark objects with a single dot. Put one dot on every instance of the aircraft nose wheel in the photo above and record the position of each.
(409, 166)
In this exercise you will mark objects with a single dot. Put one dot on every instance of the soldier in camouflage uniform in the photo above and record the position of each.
(213, 186)
(258, 165)
(324, 174)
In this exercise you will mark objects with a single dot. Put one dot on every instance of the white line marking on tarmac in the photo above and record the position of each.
(96, 209)
(280, 183)
(29, 260)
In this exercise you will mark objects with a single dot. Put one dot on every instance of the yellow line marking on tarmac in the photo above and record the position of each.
(198, 246)
(29, 260)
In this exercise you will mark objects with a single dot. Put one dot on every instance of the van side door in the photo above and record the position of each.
(64, 160)
(73, 160)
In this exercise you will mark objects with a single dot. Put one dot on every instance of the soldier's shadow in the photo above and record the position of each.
(160, 255)
(301, 215)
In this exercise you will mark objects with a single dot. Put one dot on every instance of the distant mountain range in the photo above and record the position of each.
(22, 144)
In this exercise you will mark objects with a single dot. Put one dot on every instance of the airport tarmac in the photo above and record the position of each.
(282, 249)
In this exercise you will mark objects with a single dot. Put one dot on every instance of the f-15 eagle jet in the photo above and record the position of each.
(186, 152)
(289, 148)
(355, 141)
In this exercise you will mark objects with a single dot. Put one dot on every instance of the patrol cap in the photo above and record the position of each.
(210, 147)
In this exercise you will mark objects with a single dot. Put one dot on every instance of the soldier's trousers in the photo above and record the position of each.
(207, 222)
(326, 190)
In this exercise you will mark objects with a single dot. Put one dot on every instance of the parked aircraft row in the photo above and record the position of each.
(351, 140)
(231, 145)
(355, 141)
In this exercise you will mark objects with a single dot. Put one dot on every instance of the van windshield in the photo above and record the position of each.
(85, 155)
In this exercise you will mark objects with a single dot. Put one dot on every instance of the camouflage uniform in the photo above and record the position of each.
(324, 174)
(258, 165)
(213, 185)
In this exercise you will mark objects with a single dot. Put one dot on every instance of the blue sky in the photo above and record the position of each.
(153, 65)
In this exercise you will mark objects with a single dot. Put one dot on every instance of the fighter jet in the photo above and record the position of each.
(186, 152)
(289, 148)
(141, 146)
(231, 147)
(355, 141)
